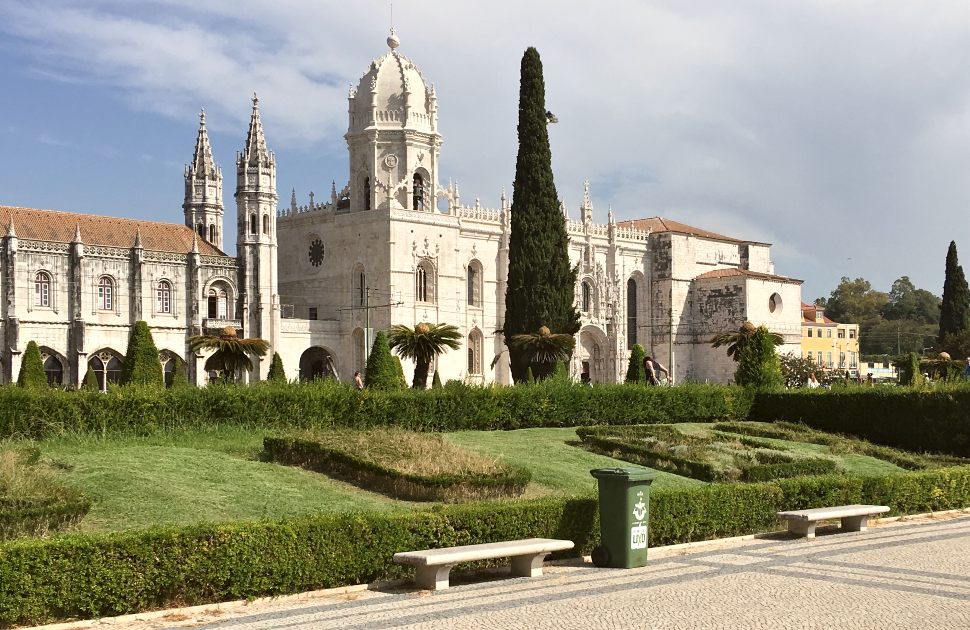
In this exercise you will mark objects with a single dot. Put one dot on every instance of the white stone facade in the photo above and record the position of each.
(394, 246)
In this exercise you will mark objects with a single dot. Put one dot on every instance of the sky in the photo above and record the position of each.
(838, 130)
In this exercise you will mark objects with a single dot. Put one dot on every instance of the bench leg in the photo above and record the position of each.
(855, 523)
(528, 566)
(802, 529)
(434, 578)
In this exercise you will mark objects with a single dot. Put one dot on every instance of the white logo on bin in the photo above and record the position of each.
(638, 532)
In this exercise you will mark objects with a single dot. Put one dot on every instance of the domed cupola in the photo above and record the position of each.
(393, 94)
(392, 137)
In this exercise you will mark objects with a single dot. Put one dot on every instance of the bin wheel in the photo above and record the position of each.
(601, 556)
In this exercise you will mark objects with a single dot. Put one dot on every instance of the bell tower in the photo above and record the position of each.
(203, 190)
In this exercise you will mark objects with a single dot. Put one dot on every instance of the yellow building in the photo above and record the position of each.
(831, 345)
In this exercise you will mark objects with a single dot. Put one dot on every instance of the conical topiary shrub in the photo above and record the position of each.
(635, 372)
(32, 368)
(90, 382)
(141, 365)
(436, 381)
(179, 377)
(276, 373)
(381, 371)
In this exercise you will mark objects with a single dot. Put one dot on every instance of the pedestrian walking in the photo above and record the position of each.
(358, 381)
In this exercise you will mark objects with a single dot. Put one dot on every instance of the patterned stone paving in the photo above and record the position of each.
(914, 575)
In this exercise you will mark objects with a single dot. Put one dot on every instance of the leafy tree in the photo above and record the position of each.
(141, 365)
(422, 344)
(542, 350)
(32, 373)
(436, 381)
(909, 372)
(955, 308)
(894, 337)
(635, 372)
(796, 370)
(906, 302)
(541, 282)
(276, 373)
(90, 382)
(758, 364)
(736, 340)
(381, 372)
(957, 344)
(855, 302)
(232, 353)
(179, 377)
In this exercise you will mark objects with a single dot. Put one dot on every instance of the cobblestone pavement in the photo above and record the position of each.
(893, 576)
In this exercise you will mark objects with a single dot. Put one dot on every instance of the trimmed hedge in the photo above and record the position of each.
(910, 419)
(110, 574)
(324, 404)
(40, 516)
(371, 475)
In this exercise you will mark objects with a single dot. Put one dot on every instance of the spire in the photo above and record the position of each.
(255, 152)
(77, 232)
(11, 231)
(293, 200)
(586, 210)
(137, 243)
(333, 192)
(202, 163)
(609, 215)
(195, 243)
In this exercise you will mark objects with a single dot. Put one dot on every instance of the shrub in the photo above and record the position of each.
(276, 373)
(400, 372)
(381, 371)
(435, 380)
(90, 382)
(179, 378)
(908, 367)
(32, 368)
(32, 502)
(401, 464)
(634, 371)
(141, 365)
(758, 364)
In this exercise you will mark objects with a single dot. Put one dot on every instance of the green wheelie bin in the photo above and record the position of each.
(624, 499)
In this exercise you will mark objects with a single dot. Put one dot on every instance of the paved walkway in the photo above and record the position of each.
(902, 575)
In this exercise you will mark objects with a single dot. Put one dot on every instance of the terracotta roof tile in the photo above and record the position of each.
(808, 315)
(659, 224)
(57, 226)
(732, 272)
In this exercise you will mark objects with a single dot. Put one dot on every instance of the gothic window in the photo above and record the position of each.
(42, 289)
(587, 296)
(360, 285)
(367, 195)
(163, 297)
(474, 283)
(631, 313)
(106, 289)
(418, 195)
(201, 230)
(252, 224)
(475, 346)
(107, 368)
(212, 233)
(424, 283)
(265, 224)
(218, 303)
(54, 370)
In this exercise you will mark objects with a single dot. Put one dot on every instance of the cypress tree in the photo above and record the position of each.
(955, 309)
(179, 377)
(32, 368)
(436, 381)
(141, 365)
(635, 372)
(381, 371)
(276, 373)
(758, 363)
(541, 282)
(400, 372)
(90, 381)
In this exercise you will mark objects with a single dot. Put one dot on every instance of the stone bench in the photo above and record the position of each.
(854, 518)
(434, 565)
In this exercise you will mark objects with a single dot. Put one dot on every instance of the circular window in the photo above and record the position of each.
(316, 252)
(774, 303)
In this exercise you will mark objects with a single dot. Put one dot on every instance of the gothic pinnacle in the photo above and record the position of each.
(255, 152)
(77, 232)
(11, 231)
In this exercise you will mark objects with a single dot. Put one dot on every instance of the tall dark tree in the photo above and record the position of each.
(955, 308)
(541, 282)
(32, 373)
(141, 366)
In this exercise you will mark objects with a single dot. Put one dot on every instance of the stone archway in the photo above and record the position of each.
(591, 354)
(317, 362)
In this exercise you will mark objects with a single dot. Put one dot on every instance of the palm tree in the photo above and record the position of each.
(735, 340)
(422, 344)
(231, 352)
(544, 349)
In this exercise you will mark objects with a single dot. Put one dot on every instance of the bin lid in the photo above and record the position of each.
(629, 474)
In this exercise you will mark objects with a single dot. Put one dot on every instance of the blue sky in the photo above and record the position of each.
(839, 131)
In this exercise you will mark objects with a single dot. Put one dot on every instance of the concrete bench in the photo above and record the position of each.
(854, 518)
(434, 565)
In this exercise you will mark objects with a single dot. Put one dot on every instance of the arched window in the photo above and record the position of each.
(475, 344)
(265, 224)
(587, 296)
(212, 233)
(367, 193)
(418, 194)
(106, 366)
(424, 289)
(218, 303)
(106, 288)
(474, 283)
(201, 230)
(163, 297)
(54, 370)
(42, 289)
(252, 224)
(631, 313)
